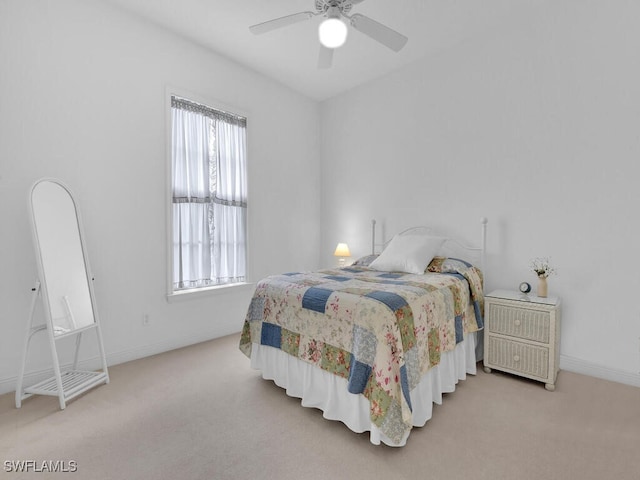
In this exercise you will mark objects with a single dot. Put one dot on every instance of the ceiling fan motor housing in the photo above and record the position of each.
(333, 30)
(325, 6)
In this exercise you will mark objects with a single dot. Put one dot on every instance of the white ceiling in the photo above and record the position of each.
(290, 54)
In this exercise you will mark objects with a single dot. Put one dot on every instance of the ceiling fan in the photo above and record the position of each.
(333, 31)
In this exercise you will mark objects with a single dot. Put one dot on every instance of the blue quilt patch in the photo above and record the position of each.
(352, 270)
(391, 275)
(391, 300)
(315, 299)
(457, 275)
(358, 376)
(479, 318)
(459, 330)
(337, 278)
(271, 335)
(404, 381)
(256, 309)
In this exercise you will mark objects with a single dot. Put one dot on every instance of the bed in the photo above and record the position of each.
(376, 343)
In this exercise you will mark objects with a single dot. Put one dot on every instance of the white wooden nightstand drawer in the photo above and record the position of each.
(520, 322)
(523, 358)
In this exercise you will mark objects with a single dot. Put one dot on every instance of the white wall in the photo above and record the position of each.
(83, 99)
(534, 126)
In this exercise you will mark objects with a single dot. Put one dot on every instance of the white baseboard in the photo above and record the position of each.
(114, 358)
(577, 365)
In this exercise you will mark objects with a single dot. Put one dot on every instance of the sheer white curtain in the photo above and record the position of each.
(209, 196)
(230, 202)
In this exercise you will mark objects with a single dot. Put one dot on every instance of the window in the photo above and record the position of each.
(208, 196)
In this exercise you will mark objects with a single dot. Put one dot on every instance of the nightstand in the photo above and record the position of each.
(522, 335)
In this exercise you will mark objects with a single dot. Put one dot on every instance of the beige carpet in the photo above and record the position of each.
(202, 413)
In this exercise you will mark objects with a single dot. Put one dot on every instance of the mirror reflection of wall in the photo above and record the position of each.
(65, 277)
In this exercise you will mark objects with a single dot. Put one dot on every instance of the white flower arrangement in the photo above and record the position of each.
(542, 267)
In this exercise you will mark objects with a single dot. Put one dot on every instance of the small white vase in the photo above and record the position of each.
(542, 287)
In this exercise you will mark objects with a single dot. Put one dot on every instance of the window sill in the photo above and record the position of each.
(208, 291)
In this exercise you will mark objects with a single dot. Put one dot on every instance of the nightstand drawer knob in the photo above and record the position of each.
(517, 323)
(516, 358)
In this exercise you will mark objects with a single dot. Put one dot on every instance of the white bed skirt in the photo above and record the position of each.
(320, 389)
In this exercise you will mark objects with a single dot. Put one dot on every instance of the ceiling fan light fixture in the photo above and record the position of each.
(332, 32)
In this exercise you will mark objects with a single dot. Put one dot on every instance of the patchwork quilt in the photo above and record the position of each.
(381, 331)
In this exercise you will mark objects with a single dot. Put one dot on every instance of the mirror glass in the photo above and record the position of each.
(63, 272)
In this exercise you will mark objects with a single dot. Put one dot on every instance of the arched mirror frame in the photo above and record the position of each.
(65, 285)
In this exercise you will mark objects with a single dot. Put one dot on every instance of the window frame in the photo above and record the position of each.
(179, 295)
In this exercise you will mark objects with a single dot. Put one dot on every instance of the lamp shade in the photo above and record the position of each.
(332, 33)
(342, 250)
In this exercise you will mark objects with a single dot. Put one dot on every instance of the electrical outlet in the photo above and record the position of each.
(146, 320)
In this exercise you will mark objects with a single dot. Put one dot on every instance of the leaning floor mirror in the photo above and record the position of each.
(65, 287)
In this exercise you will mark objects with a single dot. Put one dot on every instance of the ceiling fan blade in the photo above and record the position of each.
(265, 27)
(381, 33)
(325, 59)
(355, 2)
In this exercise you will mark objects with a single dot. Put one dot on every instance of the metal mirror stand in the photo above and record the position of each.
(65, 286)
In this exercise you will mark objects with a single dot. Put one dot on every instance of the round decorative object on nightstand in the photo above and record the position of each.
(525, 287)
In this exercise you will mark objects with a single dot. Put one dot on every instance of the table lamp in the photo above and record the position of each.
(342, 251)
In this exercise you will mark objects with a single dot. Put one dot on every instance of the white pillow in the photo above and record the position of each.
(408, 253)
